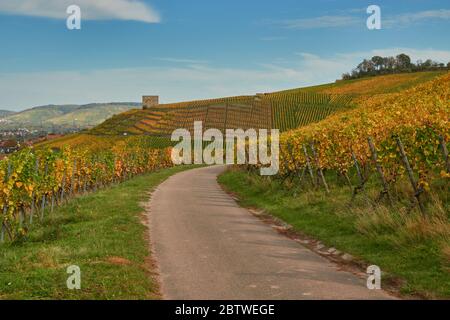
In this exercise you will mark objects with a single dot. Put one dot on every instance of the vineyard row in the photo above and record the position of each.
(33, 183)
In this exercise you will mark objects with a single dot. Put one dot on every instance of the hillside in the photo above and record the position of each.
(373, 85)
(42, 113)
(419, 113)
(285, 110)
(4, 113)
(67, 115)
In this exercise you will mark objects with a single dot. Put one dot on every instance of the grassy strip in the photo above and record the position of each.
(102, 233)
(405, 245)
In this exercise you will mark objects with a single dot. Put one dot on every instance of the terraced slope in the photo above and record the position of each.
(279, 110)
(234, 112)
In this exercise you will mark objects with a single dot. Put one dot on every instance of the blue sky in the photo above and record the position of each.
(184, 50)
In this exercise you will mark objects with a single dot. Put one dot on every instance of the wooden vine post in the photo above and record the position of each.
(63, 186)
(33, 197)
(21, 216)
(362, 181)
(417, 191)
(53, 202)
(308, 165)
(72, 178)
(291, 154)
(445, 153)
(5, 209)
(319, 169)
(379, 170)
(44, 196)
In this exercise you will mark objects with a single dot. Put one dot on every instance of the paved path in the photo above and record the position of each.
(207, 247)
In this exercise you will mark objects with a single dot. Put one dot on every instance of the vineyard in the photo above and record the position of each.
(368, 87)
(372, 182)
(298, 109)
(390, 136)
(34, 182)
(395, 136)
(284, 111)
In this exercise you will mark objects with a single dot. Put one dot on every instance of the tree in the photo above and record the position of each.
(427, 64)
(346, 76)
(389, 63)
(378, 65)
(403, 61)
(366, 66)
(378, 62)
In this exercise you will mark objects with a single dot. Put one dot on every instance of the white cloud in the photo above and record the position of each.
(183, 61)
(320, 22)
(90, 9)
(407, 19)
(354, 17)
(181, 83)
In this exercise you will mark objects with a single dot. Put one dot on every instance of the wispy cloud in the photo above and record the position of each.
(354, 17)
(135, 10)
(407, 19)
(183, 61)
(320, 22)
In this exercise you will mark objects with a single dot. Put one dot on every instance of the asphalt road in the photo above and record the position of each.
(207, 247)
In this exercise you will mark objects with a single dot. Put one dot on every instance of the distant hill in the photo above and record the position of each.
(4, 113)
(81, 116)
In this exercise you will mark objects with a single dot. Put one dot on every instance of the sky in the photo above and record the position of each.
(185, 50)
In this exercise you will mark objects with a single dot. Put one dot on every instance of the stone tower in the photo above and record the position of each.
(150, 102)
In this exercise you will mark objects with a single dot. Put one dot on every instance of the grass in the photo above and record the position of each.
(412, 251)
(102, 233)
